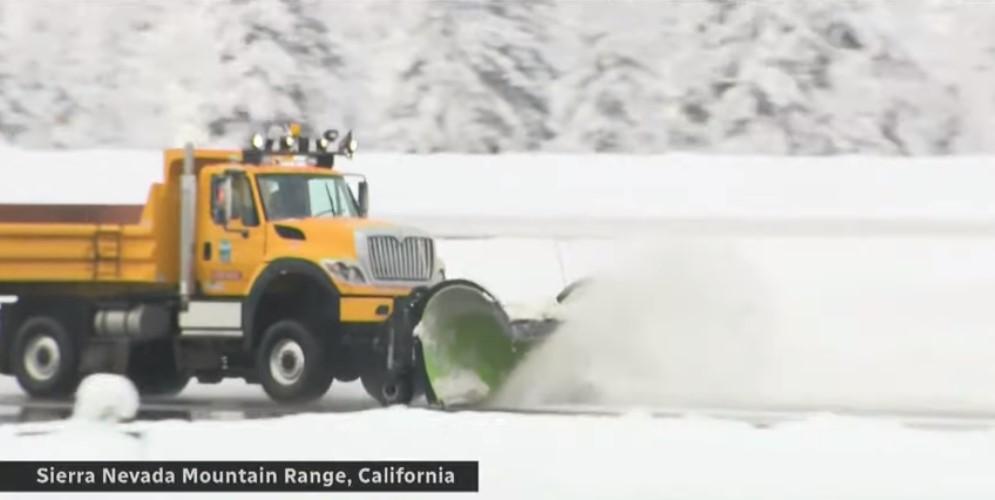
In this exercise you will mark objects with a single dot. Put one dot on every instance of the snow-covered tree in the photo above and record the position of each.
(476, 79)
(795, 77)
(809, 78)
(957, 43)
(279, 63)
(72, 78)
(611, 95)
(45, 77)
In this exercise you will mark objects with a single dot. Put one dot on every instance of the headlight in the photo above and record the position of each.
(345, 271)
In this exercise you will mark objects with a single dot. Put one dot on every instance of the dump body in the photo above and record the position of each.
(81, 244)
(105, 246)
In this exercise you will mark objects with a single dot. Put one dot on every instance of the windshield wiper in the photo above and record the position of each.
(331, 203)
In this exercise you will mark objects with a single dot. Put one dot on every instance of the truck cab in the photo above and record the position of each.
(286, 240)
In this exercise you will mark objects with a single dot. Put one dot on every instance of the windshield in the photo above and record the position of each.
(292, 196)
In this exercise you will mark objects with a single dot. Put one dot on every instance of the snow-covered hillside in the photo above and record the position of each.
(583, 189)
(813, 77)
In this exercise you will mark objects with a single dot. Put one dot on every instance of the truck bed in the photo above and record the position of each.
(82, 243)
(70, 214)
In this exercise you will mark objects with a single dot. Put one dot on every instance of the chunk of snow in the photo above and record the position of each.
(459, 387)
(105, 397)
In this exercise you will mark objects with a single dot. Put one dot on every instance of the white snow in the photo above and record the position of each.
(104, 397)
(899, 323)
(585, 188)
(633, 456)
(102, 400)
(465, 385)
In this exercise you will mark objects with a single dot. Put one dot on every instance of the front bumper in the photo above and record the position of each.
(365, 309)
(370, 303)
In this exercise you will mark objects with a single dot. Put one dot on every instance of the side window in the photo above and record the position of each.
(243, 206)
(217, 199)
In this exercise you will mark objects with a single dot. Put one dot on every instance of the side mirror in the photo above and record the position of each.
(348, 145)
(364, 198)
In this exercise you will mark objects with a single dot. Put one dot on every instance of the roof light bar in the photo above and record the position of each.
(288, 142)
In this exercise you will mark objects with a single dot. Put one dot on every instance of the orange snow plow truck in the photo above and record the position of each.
(258, 263)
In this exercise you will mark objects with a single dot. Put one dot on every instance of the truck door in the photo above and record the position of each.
(229, 251)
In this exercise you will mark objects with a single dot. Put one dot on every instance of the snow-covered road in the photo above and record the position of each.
(226, 398)
(543, 456)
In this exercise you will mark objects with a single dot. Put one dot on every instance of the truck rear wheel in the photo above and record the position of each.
(45, 360)
(166, 385)
(152, 367)
(292, 363)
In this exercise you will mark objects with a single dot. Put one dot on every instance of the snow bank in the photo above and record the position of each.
(575, 186)
(593, 186)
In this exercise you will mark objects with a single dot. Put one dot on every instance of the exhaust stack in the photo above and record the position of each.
(188, 197)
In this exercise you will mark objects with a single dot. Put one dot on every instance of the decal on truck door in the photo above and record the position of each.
(226, 276)
(224, 251)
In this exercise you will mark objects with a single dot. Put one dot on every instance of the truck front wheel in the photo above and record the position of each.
(388, 389)
(292, 363)
(44, 358)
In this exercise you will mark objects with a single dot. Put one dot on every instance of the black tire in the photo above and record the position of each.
(389, 389)
(344, 364)
(161, 385)
(152, 367)
(386, 387)
(44, 358)
(372, 382)
(291, 362)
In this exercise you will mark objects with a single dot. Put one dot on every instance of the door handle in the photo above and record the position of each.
(207, 250)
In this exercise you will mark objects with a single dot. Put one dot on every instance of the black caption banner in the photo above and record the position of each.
(238, 476)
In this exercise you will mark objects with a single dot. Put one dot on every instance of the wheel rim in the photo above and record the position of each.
(42, 358)
(286, 362)
(389, 392)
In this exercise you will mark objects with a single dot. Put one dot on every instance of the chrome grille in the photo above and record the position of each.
(401, 259)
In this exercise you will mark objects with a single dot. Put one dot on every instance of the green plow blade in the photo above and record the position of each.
(467, 343)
